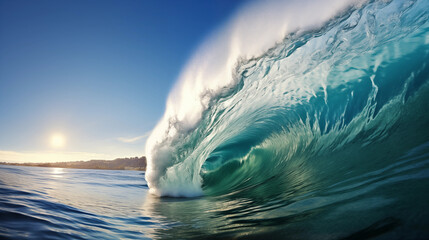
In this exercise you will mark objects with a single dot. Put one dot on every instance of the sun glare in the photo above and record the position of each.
(57, 140)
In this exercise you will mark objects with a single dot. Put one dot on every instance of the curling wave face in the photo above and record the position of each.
(343, 95)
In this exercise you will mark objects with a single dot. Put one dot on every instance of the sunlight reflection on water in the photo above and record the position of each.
(57, 172)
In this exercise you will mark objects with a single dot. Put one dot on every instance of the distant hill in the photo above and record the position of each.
(135, 163)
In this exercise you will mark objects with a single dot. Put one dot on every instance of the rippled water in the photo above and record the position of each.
(54, 203)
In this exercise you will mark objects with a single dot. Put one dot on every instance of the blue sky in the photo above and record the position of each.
(96, 72)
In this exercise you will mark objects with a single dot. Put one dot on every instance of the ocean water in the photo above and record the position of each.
(57, 203)
(321, 132)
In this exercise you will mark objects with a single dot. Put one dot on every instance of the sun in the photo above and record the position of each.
(57, 140)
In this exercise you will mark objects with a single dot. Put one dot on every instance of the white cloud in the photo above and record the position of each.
(133, 139)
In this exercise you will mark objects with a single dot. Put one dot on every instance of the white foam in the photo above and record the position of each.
(253, 30)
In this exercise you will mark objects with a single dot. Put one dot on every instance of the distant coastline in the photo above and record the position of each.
(135, 163)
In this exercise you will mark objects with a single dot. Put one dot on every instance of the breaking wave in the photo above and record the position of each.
(283, 97)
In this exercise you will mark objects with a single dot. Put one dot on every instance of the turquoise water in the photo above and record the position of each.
(325, 135)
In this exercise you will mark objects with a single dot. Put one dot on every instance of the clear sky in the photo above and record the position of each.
(81, 80)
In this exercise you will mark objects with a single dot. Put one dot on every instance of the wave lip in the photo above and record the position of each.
(327, 73)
